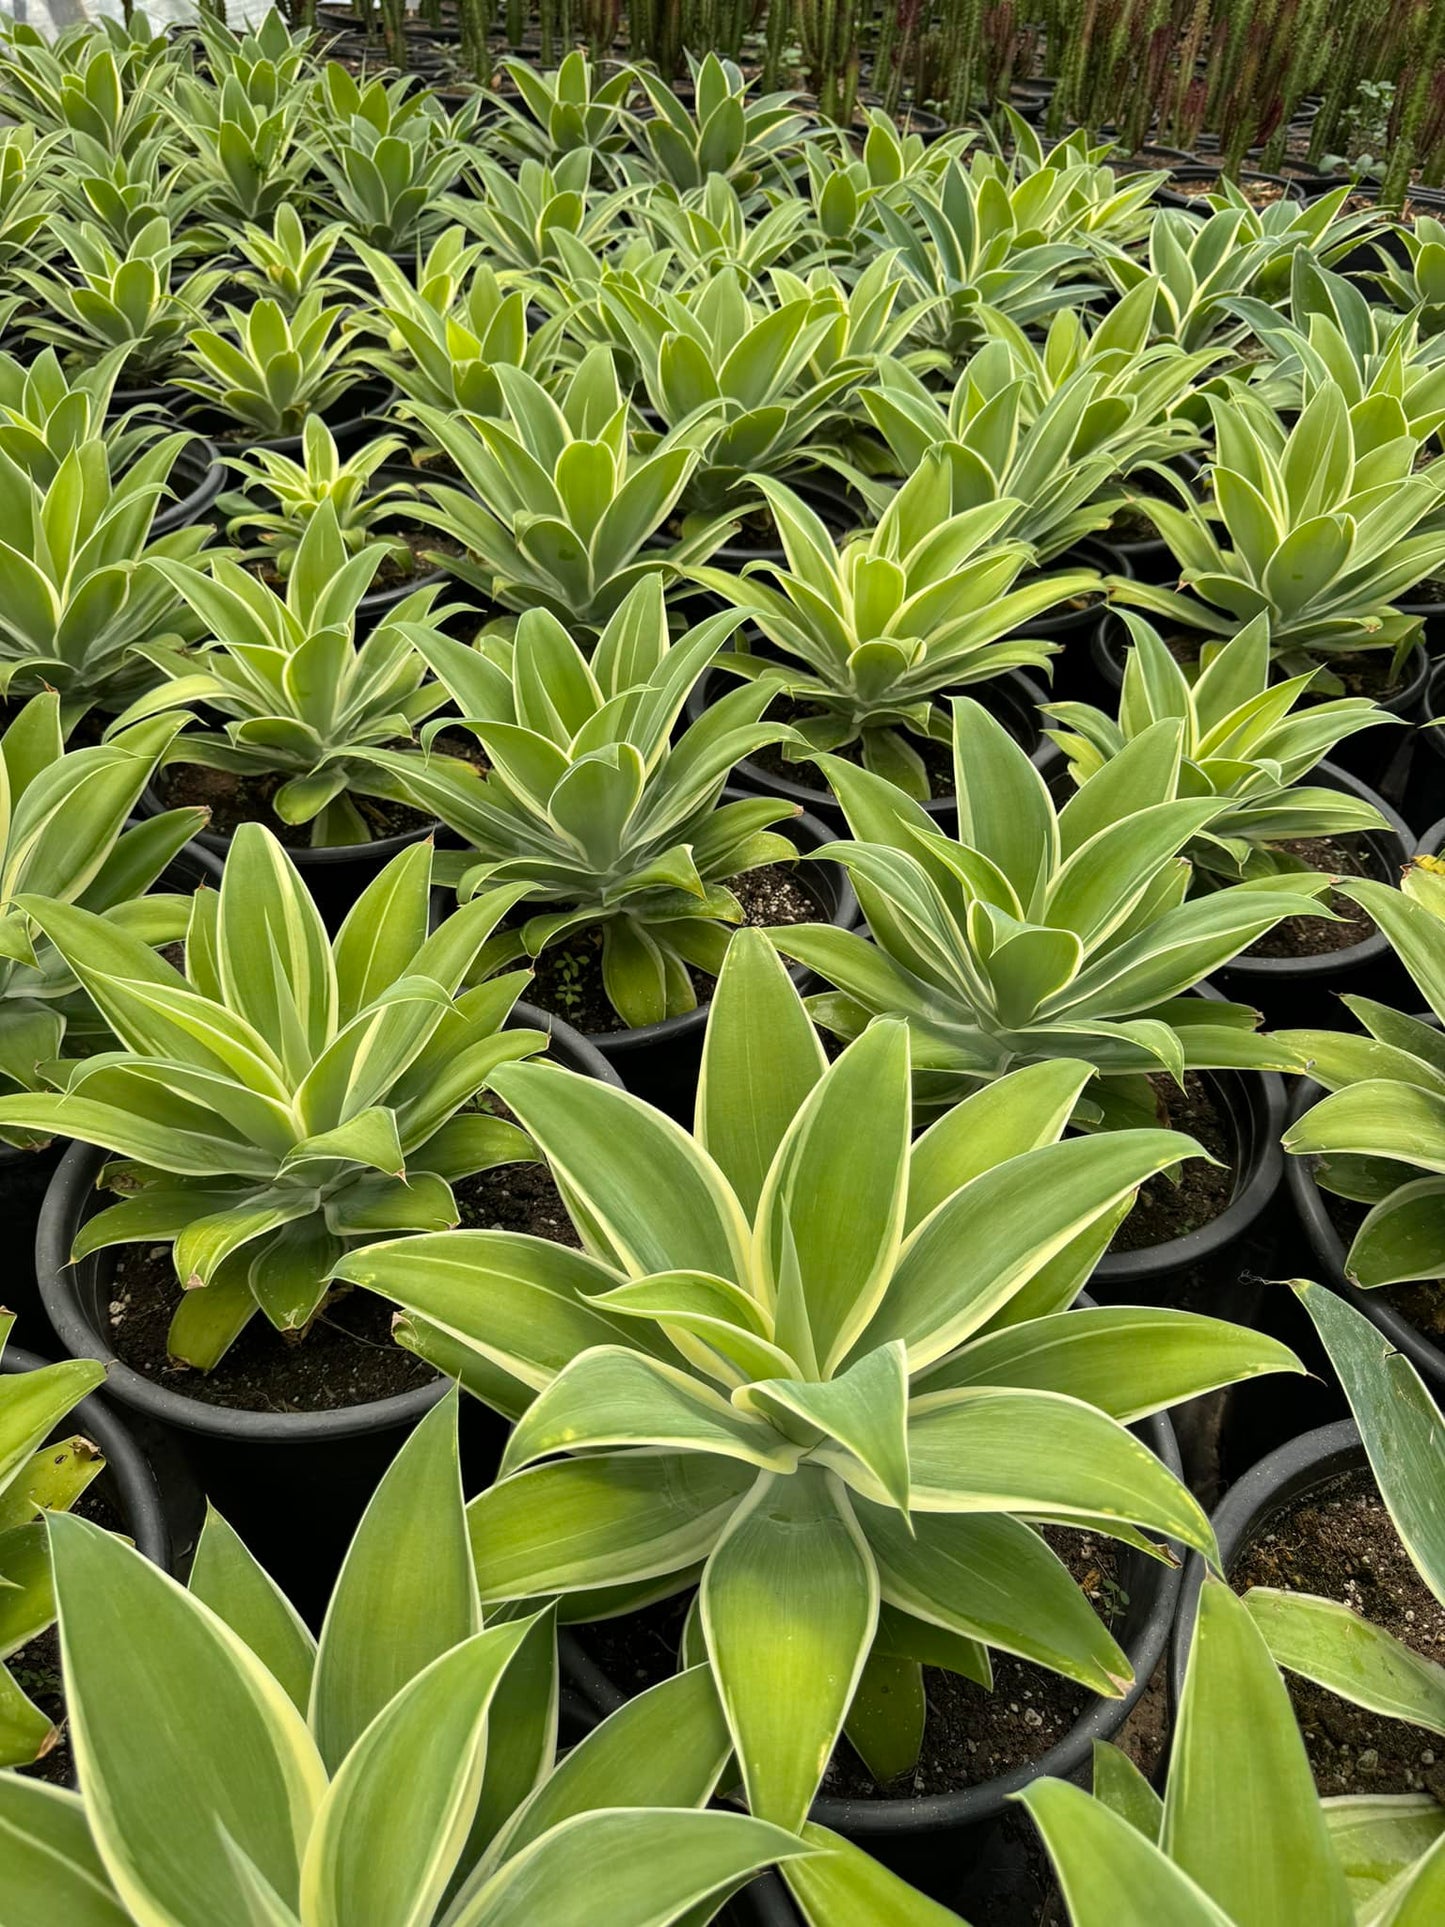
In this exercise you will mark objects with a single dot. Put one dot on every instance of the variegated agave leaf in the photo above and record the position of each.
(285, 1096)
(770, 1362)
(1043, 932)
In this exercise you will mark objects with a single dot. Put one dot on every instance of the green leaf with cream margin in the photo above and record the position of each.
(208, 1792)
(762, 1365)
(285, 1095)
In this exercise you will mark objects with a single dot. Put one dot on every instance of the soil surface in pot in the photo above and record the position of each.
(937, 757)
(1304, 936)
(569, 975)
(1257, 193)
(971, 1734)
(1340, 1542)
(1166, 1209)
(347, 1356)
(37, 1668)
(395, 572)
(233, 799)
(1422, 1304)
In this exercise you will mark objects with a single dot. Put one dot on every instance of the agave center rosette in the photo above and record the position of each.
(302, 698)
(815, 1362)
(590, 808)
(560, 511)
(1041, 932)
(868, 635)
(1322, 526)
(285, 1096)
(1246, 739)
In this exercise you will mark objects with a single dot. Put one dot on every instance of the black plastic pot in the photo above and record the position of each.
(1249, 1508)
(1200, 171)
(1255, 1104)
(1373, 755)
(1329, 1249)
(660, 1062)
(196, 478)
(961, 1847)
(335, 877)
(1013, 697)
(1433, 841)
(131, 1481)
(1074, 677)
(377, 604)
(1425, 779)
(1304, 990)
(1146, 558)
(293, 1484)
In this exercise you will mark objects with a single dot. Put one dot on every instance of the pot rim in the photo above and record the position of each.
(1271, 1484)
(64, 1200)
(1328, 1248)
(624, 1044)
(137, 1486)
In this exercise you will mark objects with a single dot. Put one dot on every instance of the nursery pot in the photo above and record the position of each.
(963, 1848)
(197, 477)
(335, 877)
(1329, 1247)
(1425, 783)
(660, 1062)
(1371, 755)
(1013, 697)
(292, 1483)
(1303, 990)
(1249, 1508)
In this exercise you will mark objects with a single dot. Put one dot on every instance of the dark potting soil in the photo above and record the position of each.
(1423, 1304)
(1369, 672)
(395, 572)
(937, 757)
(1257, 193)
(1340, 1542)
(234, 800)
(1167, 1209)
(971, 1735)
(37, 1668)
(346, 1357)
(1305, 936)
(568, 978)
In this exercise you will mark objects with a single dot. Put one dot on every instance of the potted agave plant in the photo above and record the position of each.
(305, 703)
(65, 834)
(1109, 950)
(845, 1429)
(1334, 1542)
(1252, 741)
(633, 860)
(281, 1098)
(863, 642)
